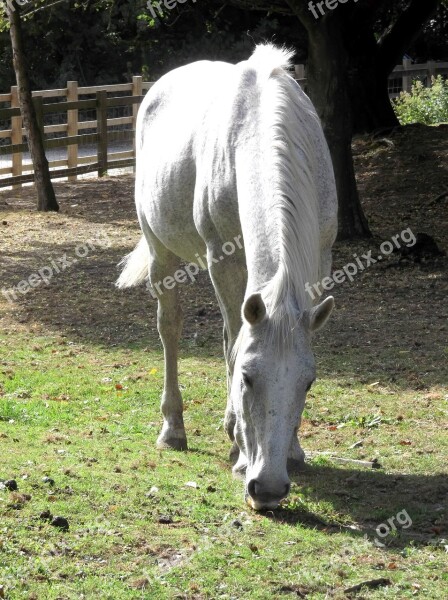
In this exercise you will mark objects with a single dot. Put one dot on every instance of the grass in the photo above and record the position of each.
(87, 416)
(80, 383)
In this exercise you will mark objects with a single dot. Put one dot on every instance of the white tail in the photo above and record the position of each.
(135, 266)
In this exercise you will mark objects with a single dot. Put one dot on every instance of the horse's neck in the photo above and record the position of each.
(258, 221)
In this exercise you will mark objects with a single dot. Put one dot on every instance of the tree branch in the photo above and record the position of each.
(370, 8)
(302, 12)
(397, 38)
(275, 6)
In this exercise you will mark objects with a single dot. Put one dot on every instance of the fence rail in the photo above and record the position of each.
(65, 105)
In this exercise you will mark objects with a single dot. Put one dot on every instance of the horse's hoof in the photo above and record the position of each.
(172, 444)
(295, 465)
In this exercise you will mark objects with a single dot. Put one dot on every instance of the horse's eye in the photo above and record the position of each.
(247, 380)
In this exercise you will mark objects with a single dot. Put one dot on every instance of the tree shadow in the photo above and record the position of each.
(81, 301)
(388, 325)
(362, 501)
(392, 510)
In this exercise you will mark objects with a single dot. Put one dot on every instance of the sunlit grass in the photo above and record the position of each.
(88, 417)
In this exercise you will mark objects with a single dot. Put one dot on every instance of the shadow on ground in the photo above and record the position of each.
(390, 322)
(367, 499)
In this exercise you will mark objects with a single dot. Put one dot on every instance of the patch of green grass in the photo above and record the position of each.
(88, 416)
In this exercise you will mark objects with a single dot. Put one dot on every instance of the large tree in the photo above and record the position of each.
(46, 199)
(349, 61)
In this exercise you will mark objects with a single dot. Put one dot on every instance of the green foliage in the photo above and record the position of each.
(107, 41)
(423, 105)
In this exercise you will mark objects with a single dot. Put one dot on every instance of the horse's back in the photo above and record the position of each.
(189, 128)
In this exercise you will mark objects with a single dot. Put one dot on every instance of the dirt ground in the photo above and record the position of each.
(390, 322)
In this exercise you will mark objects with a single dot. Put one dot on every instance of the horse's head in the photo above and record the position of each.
(269, 385)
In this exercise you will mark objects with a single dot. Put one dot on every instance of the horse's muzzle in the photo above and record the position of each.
(260, 497)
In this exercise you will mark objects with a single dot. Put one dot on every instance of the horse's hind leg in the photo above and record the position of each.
(169, 323)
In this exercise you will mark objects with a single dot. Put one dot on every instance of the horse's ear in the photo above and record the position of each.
(319, 315)
(254, 309)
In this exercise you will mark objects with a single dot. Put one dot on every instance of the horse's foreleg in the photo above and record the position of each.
(296, 455)
(229, 420)
(229, 280)
(169, 323)
(229, 417)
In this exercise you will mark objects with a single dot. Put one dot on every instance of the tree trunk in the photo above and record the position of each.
(371, 105)
(367, 80)
(46, 199)
(328, 88)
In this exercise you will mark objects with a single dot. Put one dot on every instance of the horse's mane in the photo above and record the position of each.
(290, 121)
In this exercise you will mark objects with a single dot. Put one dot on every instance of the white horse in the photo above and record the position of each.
(237, 150)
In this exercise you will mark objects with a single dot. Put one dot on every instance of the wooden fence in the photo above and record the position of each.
(65, 105)
(401, 78)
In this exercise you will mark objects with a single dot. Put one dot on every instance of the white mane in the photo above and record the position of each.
(290, 120)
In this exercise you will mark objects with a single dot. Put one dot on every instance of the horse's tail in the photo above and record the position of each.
(135, 266)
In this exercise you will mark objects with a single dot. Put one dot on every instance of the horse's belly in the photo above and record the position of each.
(165, 199)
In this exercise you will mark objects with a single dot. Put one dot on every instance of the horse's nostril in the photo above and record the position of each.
(252, 488)
(257, 492)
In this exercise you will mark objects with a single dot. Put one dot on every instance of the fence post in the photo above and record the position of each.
(431, 64)
(299, 71)
(72, 127)
(407, 79)
(16, 136)
(101, 119)
(137, 90)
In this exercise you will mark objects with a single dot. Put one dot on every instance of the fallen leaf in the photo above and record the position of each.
(356, 445)
(140, 584)
(63, 399)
